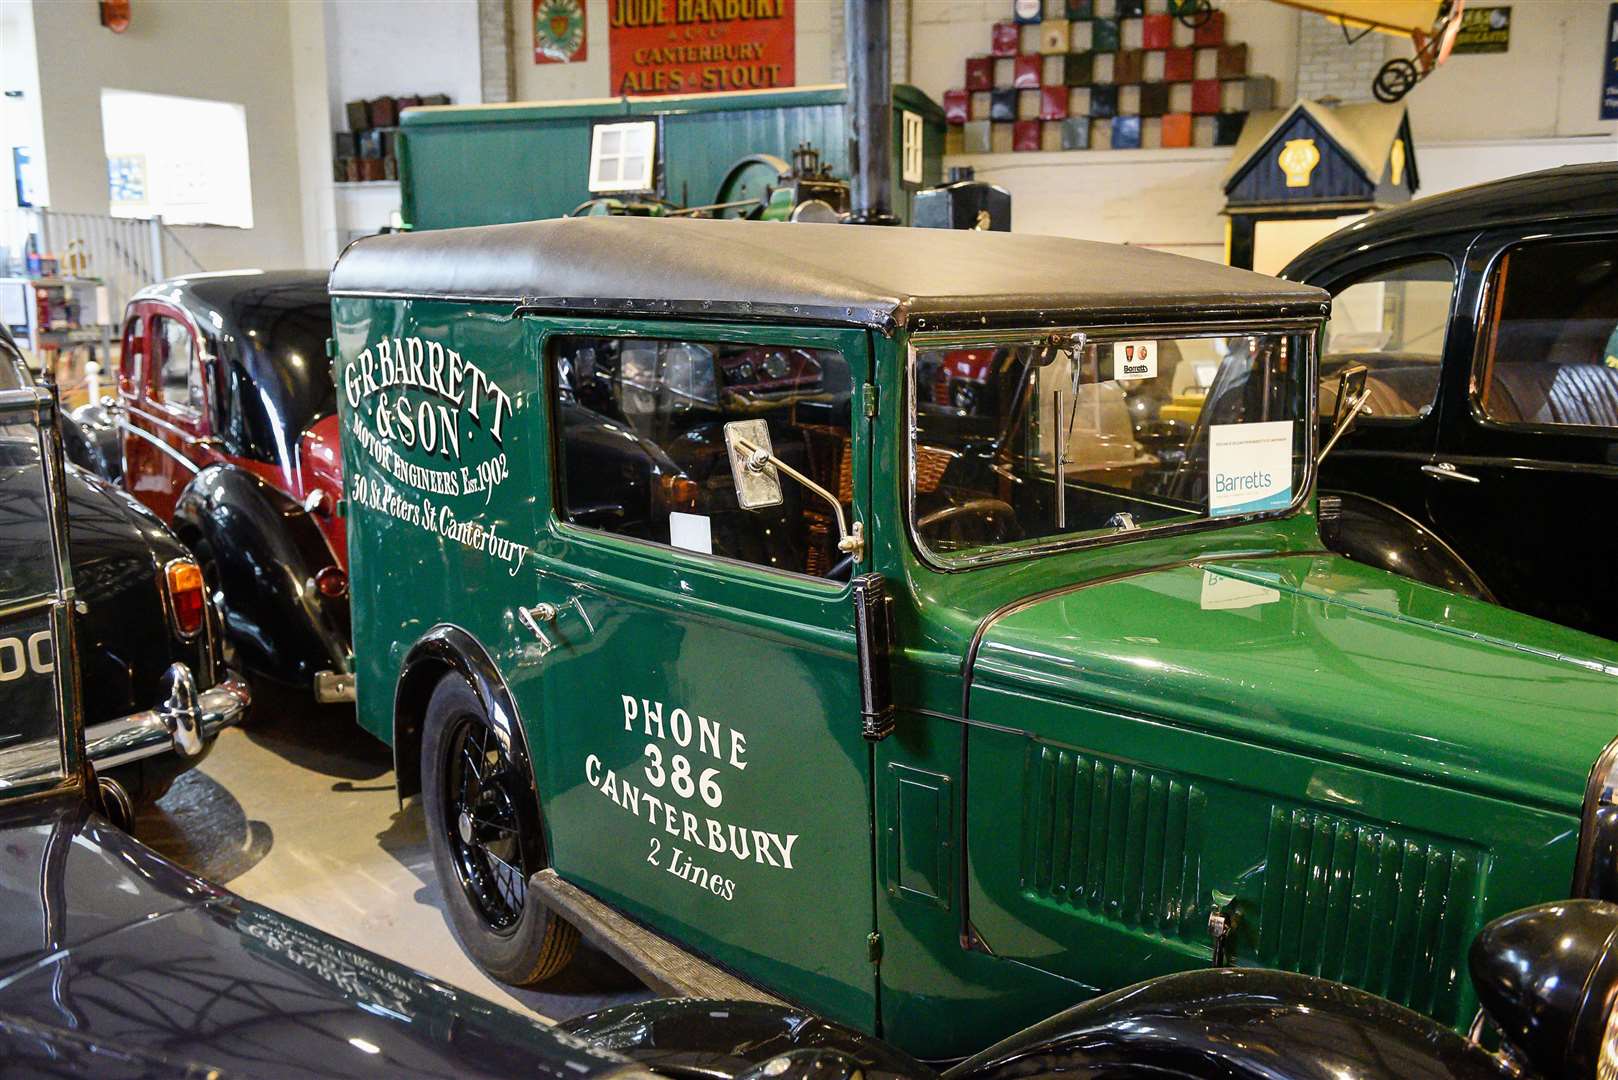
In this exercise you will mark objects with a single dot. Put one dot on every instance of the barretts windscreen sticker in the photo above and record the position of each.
(1134, 360)
(1249, 467)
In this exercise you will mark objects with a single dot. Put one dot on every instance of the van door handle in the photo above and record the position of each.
(531, 617)
(1445, 471)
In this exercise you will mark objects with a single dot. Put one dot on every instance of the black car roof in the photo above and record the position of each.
(860, 275)
(1569, 192)
(235, 294)
(269, 330)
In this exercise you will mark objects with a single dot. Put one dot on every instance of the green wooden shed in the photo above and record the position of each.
(486, 164)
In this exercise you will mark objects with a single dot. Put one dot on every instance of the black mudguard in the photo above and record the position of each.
(260, 552)
(741, 1039)
(1369, 531)
(1236, 1024)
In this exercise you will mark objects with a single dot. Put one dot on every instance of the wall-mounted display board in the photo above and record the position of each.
(700, 46)
(1119, 74)
(1484, 30)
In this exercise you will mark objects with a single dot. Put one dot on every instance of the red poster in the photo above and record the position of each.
(699, 46)
(559, 31)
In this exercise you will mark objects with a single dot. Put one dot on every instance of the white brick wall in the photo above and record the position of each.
(495, 50)
(900, 16)
(1328, 66)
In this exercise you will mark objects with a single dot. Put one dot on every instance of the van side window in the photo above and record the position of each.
(1548, 353)
(641, 444)
(1394, 321)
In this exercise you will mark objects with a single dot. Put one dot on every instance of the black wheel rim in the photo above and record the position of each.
(483, 825)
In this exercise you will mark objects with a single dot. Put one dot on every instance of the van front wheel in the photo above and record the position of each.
(482, 826)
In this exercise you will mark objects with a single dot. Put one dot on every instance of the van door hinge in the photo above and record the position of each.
(873, 948)
(868, 400)
(331, 351)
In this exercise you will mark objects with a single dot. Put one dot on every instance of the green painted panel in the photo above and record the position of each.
(1127, 828)
(1328, 881)
(920, 835)
(484, 165)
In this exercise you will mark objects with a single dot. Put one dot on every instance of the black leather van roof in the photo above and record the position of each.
(859, 275)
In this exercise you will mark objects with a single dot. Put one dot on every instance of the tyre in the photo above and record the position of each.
(483, 828)
(1396, 78)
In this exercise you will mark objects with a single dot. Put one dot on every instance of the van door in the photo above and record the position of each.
(697, 705)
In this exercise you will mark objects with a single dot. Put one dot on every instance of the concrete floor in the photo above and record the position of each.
(296, 811)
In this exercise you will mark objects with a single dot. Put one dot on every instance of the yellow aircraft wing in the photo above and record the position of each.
(1402, 17)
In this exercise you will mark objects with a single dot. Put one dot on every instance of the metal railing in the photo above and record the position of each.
(127, 254)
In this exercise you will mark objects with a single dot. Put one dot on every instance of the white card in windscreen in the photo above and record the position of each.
(1134, 360)
(1249, 467)
(693, 532)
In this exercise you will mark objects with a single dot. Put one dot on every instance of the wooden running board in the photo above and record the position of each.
(656, 961)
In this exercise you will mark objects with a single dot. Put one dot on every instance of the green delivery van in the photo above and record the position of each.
(929, 628)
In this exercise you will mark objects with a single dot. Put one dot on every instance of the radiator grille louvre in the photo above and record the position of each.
(1116, 840)
(1366, 905)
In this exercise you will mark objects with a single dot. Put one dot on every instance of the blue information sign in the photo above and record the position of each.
(1609, 75)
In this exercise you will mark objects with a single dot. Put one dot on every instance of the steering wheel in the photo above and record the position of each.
(997, 514)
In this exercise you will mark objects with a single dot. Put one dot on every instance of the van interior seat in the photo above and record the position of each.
(1544, 392)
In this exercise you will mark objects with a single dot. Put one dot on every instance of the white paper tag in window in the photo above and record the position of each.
(1249, 467)
(1134, 360)
(693, 532)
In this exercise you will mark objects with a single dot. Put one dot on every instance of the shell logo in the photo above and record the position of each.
(1298, 159)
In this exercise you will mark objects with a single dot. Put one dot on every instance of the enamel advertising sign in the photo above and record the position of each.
(559, 31)
(700, 46)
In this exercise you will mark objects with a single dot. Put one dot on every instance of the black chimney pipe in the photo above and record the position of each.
(870, 111)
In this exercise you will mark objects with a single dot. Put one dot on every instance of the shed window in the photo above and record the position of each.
(642, 447)
(622, 157)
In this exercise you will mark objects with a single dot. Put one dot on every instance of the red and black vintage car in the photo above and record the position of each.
(227, 429)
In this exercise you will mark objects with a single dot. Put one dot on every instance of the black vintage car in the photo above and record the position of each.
(156, 690)
(1488, 319)
(115, 962)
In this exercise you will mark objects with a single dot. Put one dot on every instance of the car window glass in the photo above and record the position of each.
(30, 740)
(1021, 442)
(1549, 340)
(130, 358)
(1394, 321)
(642, 446)
(179, 372)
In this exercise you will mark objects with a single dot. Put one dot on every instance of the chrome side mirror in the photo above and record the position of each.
(756, 471)
(1352, 394)
(752, 464)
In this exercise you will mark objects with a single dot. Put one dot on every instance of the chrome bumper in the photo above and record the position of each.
(183, 722)
(334, 686)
